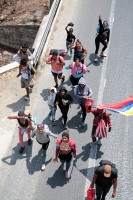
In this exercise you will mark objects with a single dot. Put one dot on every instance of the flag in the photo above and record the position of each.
(124, 107)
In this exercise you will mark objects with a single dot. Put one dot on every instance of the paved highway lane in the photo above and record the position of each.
(21, 176)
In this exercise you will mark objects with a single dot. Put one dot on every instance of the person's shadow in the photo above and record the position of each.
(35, 164)
(44, 94)
(58, 178)
(17, 105)
(75, 123)
(12, 159)
(91, 58)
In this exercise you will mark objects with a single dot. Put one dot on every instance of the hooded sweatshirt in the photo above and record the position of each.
(51, 96)
(67, 98)
(81, 92)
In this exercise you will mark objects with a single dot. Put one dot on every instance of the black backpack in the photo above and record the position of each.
(61, 52)
(106, 162)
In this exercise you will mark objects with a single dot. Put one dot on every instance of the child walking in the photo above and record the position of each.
(51, 97)
(42, 134)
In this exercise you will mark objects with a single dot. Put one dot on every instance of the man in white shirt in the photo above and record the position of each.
(25, 71)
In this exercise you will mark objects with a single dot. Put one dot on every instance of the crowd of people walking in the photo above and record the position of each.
(105, 175)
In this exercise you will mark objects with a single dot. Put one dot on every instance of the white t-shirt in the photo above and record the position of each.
(25, 74)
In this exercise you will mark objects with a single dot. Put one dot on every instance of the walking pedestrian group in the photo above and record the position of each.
(106, 174)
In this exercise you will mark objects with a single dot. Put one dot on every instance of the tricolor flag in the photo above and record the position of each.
(124, 107)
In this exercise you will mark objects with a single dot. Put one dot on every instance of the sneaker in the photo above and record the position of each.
(103, 55)
(43, 167)
(53, 123)
(99, 141)
(56, 86)
(65, 126)
(83, 124)
(29, 141)
(27, 98)
(21, 150)
(63, 79)
(96, 60)
(67, 174)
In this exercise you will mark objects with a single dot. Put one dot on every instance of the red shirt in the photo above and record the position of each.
(55, 66)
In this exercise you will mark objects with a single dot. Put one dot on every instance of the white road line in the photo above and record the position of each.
(93, 150)
(104, 83)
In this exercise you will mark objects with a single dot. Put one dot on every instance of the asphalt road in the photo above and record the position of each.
(20, 175)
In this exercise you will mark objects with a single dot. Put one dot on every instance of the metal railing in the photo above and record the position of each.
(43, 37)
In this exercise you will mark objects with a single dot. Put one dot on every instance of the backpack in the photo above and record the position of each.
(106, 162)
(61, 52)
(98, 28)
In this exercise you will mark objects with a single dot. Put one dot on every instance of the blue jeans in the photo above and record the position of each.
(68, 46)
(52, 112)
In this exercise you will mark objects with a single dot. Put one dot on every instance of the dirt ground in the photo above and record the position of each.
(23, 11)
(20, 12)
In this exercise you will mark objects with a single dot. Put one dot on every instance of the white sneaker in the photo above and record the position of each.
(43, 167)
(99, 141)
(83, 124)
(27, 98)
(95, 60)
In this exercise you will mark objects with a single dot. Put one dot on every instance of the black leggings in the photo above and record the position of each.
(64, 111)
(84, 112)
(101, 192)
(97, 43)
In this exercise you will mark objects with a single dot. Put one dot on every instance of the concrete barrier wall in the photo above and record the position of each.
(15, 35)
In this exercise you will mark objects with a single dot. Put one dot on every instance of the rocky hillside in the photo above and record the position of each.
(20, 12)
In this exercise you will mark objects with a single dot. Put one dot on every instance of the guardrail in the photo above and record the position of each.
(43, 37)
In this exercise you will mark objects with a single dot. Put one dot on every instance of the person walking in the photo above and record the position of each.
(24, 71)
(101, 120)
(65, 150)
(77, 71)
(70, 39)
(63, 100)
(102, 37)
(42, 134)
(79, 51)
(24, 53)
(25, 125)
(82, 92)
(104, 177)
(51, 98)
(57, 62)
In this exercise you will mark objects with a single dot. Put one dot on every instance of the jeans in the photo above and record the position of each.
(68, 46)
(52, 112)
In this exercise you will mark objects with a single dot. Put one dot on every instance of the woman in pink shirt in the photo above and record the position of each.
(57, 62)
